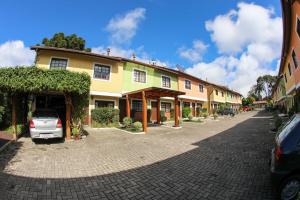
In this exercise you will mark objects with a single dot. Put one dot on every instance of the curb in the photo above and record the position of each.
(6, 145)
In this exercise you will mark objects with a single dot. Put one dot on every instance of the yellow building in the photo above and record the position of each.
(106, 72)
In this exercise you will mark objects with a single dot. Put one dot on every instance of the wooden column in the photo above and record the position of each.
(14, 117)
(127, 106)
(176, 118)
(158, 111)
(144, 112)
(68, 117)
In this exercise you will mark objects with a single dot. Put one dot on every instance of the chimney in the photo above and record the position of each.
(108, 51)
(153, 62)
(133, 56)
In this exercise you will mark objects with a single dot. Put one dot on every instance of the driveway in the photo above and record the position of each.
(225, 159)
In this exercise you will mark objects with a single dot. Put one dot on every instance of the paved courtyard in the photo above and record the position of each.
(225, 159)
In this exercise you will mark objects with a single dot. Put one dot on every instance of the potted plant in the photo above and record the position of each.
(75, 133)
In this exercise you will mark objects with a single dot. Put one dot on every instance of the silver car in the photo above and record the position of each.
(45, 124)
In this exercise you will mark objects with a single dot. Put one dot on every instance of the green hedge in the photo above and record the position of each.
(186, 111)
(105, 116)
(34, 80)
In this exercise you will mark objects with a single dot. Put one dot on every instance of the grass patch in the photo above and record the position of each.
(131, 129)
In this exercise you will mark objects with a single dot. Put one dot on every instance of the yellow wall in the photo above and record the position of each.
(84, 63)
(218, 98)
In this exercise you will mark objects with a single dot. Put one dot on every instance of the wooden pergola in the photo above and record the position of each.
(153, 93)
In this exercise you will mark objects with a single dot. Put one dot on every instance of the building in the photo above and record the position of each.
(119, 82)
(221, 95)
(289, 70)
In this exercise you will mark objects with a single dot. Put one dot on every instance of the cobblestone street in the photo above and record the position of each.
(223, 159)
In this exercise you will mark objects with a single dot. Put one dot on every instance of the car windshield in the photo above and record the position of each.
(286, 129)
(45, 113)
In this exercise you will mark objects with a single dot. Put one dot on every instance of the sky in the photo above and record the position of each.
(226, 42)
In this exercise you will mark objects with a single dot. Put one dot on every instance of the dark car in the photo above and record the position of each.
(285, 160)
(227, 111)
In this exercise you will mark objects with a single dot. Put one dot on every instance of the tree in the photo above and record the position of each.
(72, 41)
(263, 87)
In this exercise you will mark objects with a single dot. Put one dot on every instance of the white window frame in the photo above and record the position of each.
(146, 79)
(162, 81)
(100, 79)
(185, 84)
(165, 102)
(53, 57)
(202, 88)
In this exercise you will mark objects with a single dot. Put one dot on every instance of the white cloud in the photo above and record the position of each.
(139, 52)
(13, 53)
(249, 41)
(123, 27)
(195, 53)
(251, 23)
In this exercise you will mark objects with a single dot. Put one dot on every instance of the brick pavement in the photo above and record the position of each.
(227, 159)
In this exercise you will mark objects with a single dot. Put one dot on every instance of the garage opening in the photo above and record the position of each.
(55, 103)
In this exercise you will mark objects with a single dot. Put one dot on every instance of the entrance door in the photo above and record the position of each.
(153, 111)
(122, 108)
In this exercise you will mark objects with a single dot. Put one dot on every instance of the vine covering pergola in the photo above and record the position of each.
(32, 80)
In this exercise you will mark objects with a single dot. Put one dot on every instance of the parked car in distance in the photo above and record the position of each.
(285, 160)
(227, 111)
(45, 124)
(247, 108)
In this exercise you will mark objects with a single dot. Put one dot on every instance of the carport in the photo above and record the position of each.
(153, 93)
(21, 82)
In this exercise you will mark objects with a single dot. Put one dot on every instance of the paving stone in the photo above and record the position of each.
(225, 159)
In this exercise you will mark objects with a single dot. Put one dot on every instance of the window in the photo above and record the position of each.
(165, 107)
(285, 78)
(222, 94)
(58, 63)
(102, 72)
(139, 76)
(298, 27)
(186, 104)
(103, 104)
(137, 105)
(295, 59)
(166, 81)
(289, 67)
(217, 92)
(188, 84)
(201, 88)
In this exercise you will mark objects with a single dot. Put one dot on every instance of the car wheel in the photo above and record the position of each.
(290, 188)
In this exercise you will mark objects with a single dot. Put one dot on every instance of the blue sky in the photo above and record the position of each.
(171, 32)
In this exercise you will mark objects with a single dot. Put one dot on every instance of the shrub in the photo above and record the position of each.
(215, 116)
(190, 117)
(75, 131)
(277, 121)
(172, 113)
(127, 121)
(186, 111)
(205, 115)
(1, 114)
(105, 115)
(163, 117)
(204, 110)
(137, 126)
